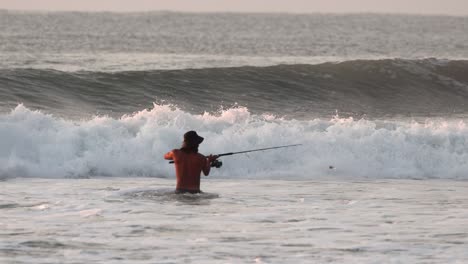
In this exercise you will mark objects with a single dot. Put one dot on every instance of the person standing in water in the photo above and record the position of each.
(189, 163)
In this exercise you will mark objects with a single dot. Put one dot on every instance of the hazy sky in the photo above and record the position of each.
(452, 7)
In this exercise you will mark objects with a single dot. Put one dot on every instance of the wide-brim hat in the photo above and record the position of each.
(192, 138)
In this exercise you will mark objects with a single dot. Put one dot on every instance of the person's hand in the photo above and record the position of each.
(212, 158)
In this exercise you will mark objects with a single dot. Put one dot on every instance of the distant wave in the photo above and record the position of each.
(373, 88)
(34, 144)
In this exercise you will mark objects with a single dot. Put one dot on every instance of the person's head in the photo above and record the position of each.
(191, 142)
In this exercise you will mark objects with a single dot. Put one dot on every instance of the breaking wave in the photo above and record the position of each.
(35, 144)
(360, 88)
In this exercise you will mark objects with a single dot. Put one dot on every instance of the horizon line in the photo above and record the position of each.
(233, 12)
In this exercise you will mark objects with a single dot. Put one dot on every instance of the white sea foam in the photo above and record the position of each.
(34, 144)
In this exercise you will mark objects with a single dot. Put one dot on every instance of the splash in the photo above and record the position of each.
(35, 144)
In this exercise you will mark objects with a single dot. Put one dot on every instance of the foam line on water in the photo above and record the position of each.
(35, 144)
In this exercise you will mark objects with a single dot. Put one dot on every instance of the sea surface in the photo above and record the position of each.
(141, 220)
(90, 102)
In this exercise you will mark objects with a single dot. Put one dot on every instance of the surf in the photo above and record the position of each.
(39, 145)
(361, 88)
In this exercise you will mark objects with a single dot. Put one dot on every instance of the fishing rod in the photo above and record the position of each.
(218, 164)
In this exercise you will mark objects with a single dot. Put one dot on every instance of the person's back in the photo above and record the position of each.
(188, 166)
(189, 163)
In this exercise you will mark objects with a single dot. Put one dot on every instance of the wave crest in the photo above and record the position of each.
(35, 144)
(358, 88)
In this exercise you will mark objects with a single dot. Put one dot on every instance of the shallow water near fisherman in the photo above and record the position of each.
(111, 220)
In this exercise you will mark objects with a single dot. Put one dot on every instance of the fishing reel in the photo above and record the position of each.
(216, 164)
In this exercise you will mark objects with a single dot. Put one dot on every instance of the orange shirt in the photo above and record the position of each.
(188, 168)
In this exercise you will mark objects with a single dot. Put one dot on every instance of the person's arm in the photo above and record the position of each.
(169, 155)
(207, 167)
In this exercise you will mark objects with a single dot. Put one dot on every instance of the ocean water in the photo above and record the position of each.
(140, 220)
(90, 102)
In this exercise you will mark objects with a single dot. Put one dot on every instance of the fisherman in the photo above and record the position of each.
(189, 163)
